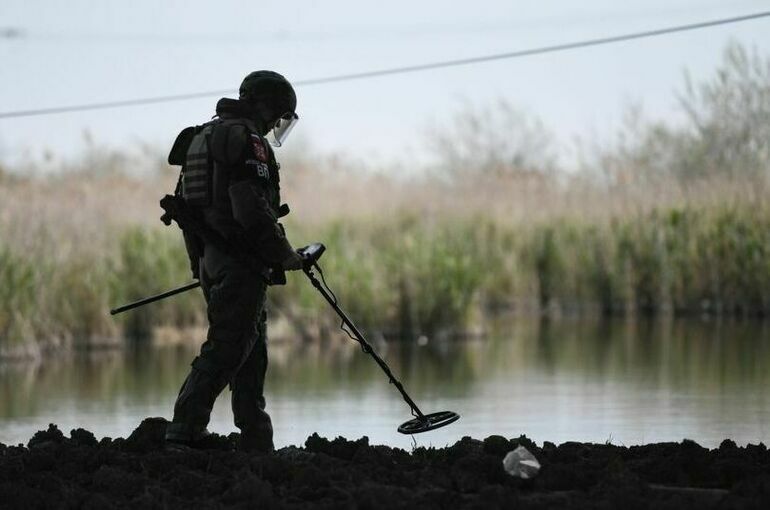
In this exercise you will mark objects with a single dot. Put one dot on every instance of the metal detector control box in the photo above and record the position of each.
(311, 253)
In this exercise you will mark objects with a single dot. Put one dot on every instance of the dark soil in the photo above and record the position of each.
(58, 472)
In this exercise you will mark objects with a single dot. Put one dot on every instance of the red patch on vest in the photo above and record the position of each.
(260, 152)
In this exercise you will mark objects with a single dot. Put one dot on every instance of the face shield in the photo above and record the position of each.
(282, 128)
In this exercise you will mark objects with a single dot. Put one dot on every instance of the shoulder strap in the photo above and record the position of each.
(230, 138)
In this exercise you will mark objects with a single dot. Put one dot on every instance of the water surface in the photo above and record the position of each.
(624, 382)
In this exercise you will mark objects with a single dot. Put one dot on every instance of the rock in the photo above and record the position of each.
(728, 444)
(83, 437)
(43, 438)
(496, 445)
(520, 463)
(148, 436)
(340, 447)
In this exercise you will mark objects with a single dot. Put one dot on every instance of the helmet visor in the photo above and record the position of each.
(282, 128)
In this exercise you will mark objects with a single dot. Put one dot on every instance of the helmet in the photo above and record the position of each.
(275, 97)
(270, 87)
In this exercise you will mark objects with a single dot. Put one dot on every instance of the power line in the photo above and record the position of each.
(534, 51)
(399, 70)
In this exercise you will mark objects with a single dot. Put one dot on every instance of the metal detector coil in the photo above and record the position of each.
(421, 422)
(428, 422)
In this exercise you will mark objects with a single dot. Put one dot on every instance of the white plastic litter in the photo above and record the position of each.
(521, 463)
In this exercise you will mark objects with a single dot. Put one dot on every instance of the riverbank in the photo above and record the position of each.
(79, 471)
(409, 277)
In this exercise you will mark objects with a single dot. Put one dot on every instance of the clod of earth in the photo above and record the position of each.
(79, 471)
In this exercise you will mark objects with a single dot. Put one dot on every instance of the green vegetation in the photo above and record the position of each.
(672, 219)
(403, 276)
(428, 278)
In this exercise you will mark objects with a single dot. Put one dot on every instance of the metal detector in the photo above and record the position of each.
(421, 422)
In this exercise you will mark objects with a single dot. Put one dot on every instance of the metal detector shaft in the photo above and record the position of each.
(157, 297)
(360, 338)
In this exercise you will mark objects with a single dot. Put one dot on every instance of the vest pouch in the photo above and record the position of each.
(178, 153)
(197, 171)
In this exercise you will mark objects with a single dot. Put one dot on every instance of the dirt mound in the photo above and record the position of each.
(79, 471)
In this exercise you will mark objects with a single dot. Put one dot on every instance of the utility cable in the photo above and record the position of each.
(401, 70)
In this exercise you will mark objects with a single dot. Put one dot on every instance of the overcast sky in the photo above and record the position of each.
(56, 53)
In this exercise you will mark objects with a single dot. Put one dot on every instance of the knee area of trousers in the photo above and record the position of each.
(219, 374)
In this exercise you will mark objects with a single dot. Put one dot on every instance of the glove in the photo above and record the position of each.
(293, 262)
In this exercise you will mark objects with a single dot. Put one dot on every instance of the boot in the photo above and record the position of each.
(255, 424)
(257, 441)
(193, 408)
(181, 438)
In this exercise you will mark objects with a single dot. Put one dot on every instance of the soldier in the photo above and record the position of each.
(229, 182)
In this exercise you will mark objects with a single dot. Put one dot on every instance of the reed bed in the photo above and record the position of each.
(671, 219)
(412, 270)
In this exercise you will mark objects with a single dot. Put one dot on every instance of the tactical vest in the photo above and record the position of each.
(209, 163)
(200, 183)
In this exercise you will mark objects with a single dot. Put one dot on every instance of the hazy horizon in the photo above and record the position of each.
(89, 52)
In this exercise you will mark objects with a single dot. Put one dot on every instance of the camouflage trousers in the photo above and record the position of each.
(234, 353)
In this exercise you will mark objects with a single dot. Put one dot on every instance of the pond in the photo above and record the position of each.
(618, 381)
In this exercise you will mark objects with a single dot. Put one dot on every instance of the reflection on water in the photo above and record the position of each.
(558, 381)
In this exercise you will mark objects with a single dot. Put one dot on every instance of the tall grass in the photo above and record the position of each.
(423, 277)
(650, 226)
(409, 273)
